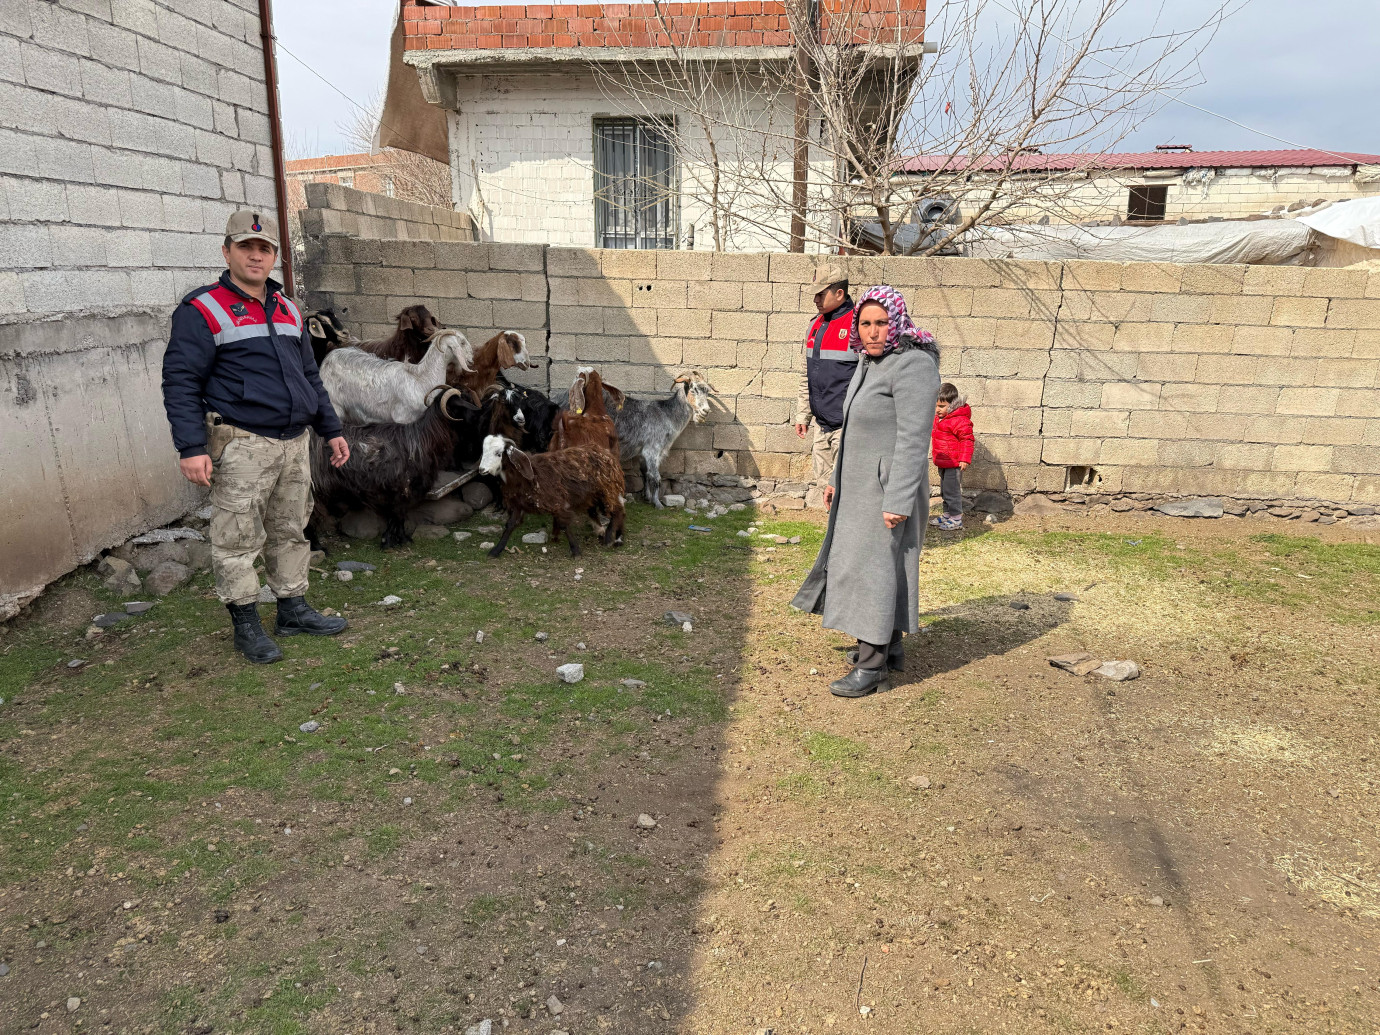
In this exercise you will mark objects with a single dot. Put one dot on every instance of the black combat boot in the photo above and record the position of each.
(250, 638)
(296, 616)
(861, 682)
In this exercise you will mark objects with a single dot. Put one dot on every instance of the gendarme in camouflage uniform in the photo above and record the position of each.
(241, 388)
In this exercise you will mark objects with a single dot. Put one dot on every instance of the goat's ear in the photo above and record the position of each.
(618, 397)
(407, 320)
(506, 356)
(577, 396)
(315, 329)
(523, 463)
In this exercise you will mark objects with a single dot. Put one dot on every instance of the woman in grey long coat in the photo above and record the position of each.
(865, 582)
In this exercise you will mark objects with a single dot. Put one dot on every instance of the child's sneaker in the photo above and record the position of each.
(950, 522)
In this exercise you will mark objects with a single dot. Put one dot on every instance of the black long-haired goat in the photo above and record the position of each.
(391, 466)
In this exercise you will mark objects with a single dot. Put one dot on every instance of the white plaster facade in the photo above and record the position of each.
(522, 157)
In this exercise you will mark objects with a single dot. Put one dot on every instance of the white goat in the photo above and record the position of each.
(368, 389)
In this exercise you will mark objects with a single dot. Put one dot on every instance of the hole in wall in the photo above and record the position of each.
(1081, 478)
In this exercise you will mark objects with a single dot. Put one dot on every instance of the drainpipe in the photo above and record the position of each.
(275, 124)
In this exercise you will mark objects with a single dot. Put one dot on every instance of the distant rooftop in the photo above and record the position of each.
(327, 163)
(1293, 157)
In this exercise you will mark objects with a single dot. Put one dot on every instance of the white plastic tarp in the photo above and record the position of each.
(1274, 242)
(1357, 221)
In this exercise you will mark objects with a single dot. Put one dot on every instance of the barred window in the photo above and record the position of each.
(634, 184)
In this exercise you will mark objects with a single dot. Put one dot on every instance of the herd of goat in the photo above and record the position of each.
(424, 400)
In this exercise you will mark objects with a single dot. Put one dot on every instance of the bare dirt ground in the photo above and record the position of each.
(992, 845)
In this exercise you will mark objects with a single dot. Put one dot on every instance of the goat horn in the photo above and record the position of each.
(431, 392)
(450, 393)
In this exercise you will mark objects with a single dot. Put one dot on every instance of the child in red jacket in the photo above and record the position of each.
(952, 442)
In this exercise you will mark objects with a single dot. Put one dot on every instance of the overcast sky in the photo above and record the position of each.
(1307, 72)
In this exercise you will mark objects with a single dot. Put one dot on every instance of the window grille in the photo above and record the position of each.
(634, 184)
(1147, 204)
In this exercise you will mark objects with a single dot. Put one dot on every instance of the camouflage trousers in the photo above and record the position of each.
(261, 495)
(823, 455)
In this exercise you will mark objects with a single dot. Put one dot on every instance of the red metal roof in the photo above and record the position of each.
(1298, 157)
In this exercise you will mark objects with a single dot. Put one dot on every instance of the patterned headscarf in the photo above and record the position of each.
(900, 332)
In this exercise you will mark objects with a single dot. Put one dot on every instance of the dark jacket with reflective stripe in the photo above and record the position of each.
(225, 355)
(829, 364)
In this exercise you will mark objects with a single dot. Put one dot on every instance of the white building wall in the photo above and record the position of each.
(522, 157)
(129, 130)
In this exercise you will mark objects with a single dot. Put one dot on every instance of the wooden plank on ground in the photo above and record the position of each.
(448, 481)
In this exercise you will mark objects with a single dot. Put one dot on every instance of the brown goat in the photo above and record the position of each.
(560, 484)
(505, 349)
(410, 341)
(585, 421)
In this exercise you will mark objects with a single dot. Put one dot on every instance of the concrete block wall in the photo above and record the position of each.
(128, 133)
(335, 209)
(1104, 378)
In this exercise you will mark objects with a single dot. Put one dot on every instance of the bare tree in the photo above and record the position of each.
(889, 130)
(415, 177)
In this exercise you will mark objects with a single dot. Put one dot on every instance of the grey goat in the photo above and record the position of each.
(648, 427)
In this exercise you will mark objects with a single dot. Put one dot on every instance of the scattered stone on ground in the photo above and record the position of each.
(1196, 508)
(793, 540)
(476, 494)
(534, 538)
(554, 1006)
(737, 506)
(460, 537)
(266, 596)
(920, 783)
(1080, 663)
(678, 618)
(310, 726)
(73, 1004)
(431, 532)
(1363, 521)
(137, 607)
(486, 545)
(4, 967)
(1120, 671)
(572, 672)
(646, 822)
(1036, 505)
(167, 577)
(390, 600)
(542, 637)
(489, 529)
(76, 663)
(361, 524)
(1065, 598)
(354, 566)
(673, 500)
(105, 621)
(633, 684)
(165, 535)
(484, 1027)
(687, 627)
(1018, 605)
(479, 636)
(345, 576)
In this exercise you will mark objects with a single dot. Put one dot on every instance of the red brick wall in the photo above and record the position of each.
(718, 23)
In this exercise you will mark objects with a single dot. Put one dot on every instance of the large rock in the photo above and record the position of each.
(1036, 505)
(1199, 508)
(477, 494)
(167, 577)
(1363, 521)
(146, 558)
(990, 501)
(199, 556)
(361, 524)
(431, 531)
(120, 576)
(446, 511)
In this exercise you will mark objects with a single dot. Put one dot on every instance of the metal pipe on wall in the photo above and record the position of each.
(275, 124)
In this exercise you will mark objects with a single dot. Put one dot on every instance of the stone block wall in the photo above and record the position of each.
(129, 131)
(1257, 383)
(334, 209)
